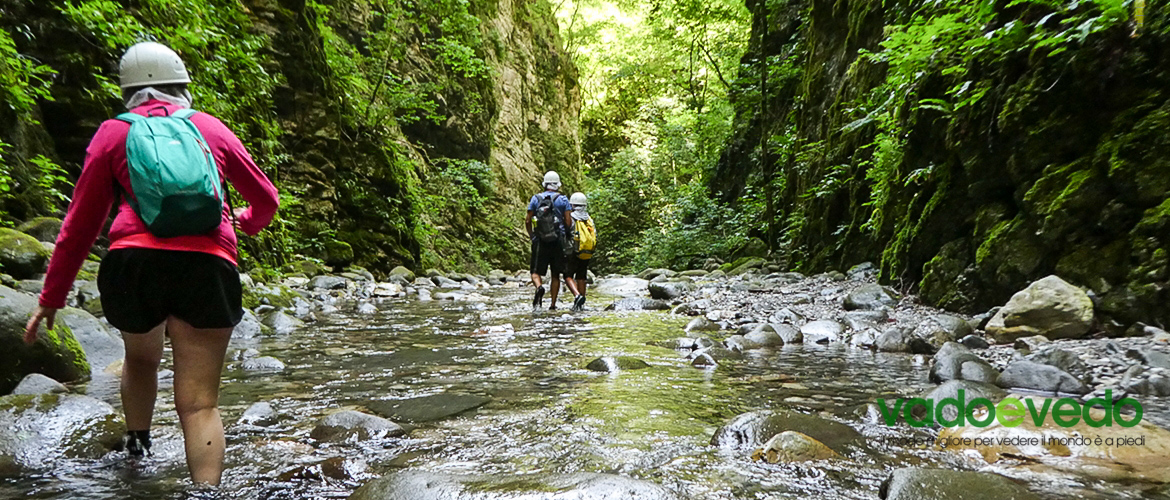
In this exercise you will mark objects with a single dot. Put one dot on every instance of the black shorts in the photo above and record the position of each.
(141, 287)
(546, 255)
(576, 268)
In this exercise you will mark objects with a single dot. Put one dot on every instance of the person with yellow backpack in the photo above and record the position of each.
(584, 235)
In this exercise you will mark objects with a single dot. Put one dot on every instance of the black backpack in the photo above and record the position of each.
(548, 227)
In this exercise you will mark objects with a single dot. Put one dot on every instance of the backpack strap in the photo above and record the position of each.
(130, 118)
(185, 113)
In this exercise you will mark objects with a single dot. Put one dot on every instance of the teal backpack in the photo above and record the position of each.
(176, 184)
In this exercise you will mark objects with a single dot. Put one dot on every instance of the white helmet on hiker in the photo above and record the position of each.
(552, 178)
(578, 199)
(151, 63)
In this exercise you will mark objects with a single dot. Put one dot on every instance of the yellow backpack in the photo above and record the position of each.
(586, 238)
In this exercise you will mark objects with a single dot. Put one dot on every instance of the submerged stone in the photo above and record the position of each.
(37, 430)
(352, 425)
(422, 485)
(611, 364)
(753, 429)
(427, 408)
(946, 484)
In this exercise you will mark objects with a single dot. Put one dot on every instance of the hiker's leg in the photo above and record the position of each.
(199, 354)
(554, 286)
(536, 280)
(571, 284)
(581, 286)
(140, 376)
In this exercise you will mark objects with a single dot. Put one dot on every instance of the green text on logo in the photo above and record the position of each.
(1010, 412)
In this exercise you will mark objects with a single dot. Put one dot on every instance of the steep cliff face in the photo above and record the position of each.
(1033, 145)
(399, 133)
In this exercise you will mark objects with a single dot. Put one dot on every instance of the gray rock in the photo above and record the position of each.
(259, 414)
(1150, 357)
(262, 364)
(650, 274)
(670, 290)
(89, 297)
(765, 336)
(610, 364)
(753, 429)
(822, 331)
(35, 383)
(1025, 374)
(427, 408)
(352, 425)
(56, 354)
(870, 297)
(31, 287)
(403, 273)
(748, 266)
(971, 390)
(1050, 307)
(249, 326)
(1028, 344)
(622, 287)
(325, 282)
(21, 255)
(894, 339)
(444, 282)
(788, 333)
(713, 356)
(281, 323)
(740, 343)
(701, 325)
(102, 345)
(947, 484)
(942, 328)
(367, 309)
(974, 342)
(694, 273)
(44, 229)
(866, 338)
(862, 271)
(423, 282)
(36, 431)
(860, 320)
(1065, 360)
(421, 485)
(950, 364)
(633, 304)
(787, 315)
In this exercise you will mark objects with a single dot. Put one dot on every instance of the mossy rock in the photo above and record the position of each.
(746, 264)
(309, 268)
(337, 253)
(275, 295)
(947, 279)
(1064, 198)
(56, 353)
(37, 430)
(1138, 163)
(1010, 256)
(42, 228)
(21, 255)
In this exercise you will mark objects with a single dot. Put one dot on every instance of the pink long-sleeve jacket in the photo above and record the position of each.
(105, 177)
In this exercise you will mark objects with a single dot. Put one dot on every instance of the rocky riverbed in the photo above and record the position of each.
(715, 385)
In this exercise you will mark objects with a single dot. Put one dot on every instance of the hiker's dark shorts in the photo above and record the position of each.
(141, 287)
(577, 268)
(546, 255)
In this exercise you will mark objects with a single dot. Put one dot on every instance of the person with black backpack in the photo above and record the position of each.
(548, 217)
(171, 265)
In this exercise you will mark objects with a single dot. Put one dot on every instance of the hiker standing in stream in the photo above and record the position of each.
(171, 265)
(584, 236)
(547, 225)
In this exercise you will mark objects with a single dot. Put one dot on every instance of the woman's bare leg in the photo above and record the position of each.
(199, 355)
(140, 376)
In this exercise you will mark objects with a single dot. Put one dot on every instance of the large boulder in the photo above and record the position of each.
(56, 353)
(822, 331)
(43, 229)
(870, 297)
(405, 274)
(102, 345)
(670, 290)
(955, 362)
(947, 484)
(38, 430)
(792, 446)
(754, 429)
(1050, 307)
(352, 425)
(422, 485)
(942, 328)
(21, 255)
(1024, 374)
(428, 408)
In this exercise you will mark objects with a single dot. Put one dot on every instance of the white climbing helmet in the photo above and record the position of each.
(551, 177)
(578, 199)
(151, 63)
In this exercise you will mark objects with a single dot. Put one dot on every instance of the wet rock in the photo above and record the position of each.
(1150, 357)
(971, 390)
(717, 274)
(102, 346)
(788, 333)
(1050, 307)
(444, 282)
(242, 354)
(951, 363)
(262, 364)
(56, 353)
(701, 325)
(622, 287)
(764, 336)
(37, 430)
(281, 323)
(249, 326)
(388, 290)
(21, 255)
(860, 320)
(35, 383)
(822, 331)
(670, 290)
(260, 414)
(403, 273)
(1025, 374)
(792, 446)
(740, 343)
(862, 271)
(865, 339)
(787, 315)
(302, 309)
(610, 364)
(974, 342)
(1065, 360)
(89, 298)
(1075, 449)
(367, 309)
(427, 408)
(894, 339)
(421, 485)
(423, 282)
(635, 304)
(352, 425)
(942, 328)
(753, 429)
(44, 229)
(870, 297)
(325, 282)
(947, 484)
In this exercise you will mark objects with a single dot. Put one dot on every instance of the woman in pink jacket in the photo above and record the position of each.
(185, 286)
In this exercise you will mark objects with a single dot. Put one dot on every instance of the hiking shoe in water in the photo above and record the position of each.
(136, 443)
(579, 303)
(538, 299)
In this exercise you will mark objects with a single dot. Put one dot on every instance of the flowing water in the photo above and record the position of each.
(546, 412)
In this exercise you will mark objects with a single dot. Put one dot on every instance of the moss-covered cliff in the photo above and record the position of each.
(399, 132)
(970, 147)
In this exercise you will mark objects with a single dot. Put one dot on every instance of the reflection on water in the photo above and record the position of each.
(546, 412)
